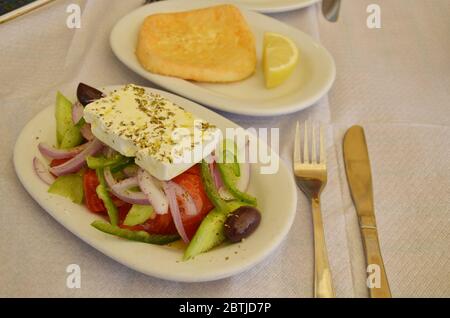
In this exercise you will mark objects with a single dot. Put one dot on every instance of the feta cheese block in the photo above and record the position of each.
(165, 138)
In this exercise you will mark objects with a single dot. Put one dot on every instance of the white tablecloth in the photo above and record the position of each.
(394, 81)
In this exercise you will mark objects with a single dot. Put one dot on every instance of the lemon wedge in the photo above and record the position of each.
(280, 58)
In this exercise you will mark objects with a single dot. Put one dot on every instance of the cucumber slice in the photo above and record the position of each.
(139, 236)
(210, 233)
(103, 194)
(69, 186)
(71, 138)
(104, 162)
(138, 214)
(63, 115)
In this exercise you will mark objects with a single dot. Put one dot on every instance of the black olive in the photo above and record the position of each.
(87, 94)
(241, 223)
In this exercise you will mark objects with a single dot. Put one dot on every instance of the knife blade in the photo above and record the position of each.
(330, 9)
(359, 177)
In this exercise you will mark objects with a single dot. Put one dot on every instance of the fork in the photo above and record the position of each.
(330, 9)
(311, 175)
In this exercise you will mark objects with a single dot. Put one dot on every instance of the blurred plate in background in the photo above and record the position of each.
(272, 6)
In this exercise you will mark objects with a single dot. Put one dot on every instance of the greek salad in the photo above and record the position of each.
(114, 154)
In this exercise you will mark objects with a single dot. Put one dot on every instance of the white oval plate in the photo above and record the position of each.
(274, 6)
(311, 80)
(276, 195)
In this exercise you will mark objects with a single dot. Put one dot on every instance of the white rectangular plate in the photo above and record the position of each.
(276, 194)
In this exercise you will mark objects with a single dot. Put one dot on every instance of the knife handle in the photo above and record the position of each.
(373, 256)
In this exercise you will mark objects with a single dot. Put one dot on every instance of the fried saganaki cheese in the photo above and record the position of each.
(213, 44)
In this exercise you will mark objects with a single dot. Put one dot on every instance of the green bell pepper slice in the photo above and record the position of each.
(229, 180)
(211, 190)
(102, 162)
(139, 236)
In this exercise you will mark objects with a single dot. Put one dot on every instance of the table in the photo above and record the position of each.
(394, 81)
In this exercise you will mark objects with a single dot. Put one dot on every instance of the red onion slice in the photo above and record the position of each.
(54, 153)
(77, 162)
(86, 132)
(125, 184)
(125, 195)
(216, 175)
(110, 181)
(223, 192)
(132, 197)
(77, 112)
(170, 191)
(42, 171)
(130, 171)
(152, 188)
(188, 203)
(109, 152)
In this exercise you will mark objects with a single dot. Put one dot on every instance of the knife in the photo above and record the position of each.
(357, 167)
(19, 8)
(330, 9)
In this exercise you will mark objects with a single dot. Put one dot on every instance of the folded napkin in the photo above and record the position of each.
(394, 82)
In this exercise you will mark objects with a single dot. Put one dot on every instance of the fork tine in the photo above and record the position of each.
(305, 144)
(297, 157)
(314, 144)
(323, 157)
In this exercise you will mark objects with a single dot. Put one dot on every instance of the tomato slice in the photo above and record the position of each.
(194, 170)
(93, 202)
(57, 162)
(193, 184)
(118, 202)
(161, 224)
(123, 211)
(158, 224)
(191, 181)
(90, 183)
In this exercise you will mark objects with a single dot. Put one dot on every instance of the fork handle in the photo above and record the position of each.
(323, 284)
